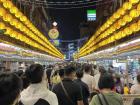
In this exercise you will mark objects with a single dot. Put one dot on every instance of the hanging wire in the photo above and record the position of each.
(63, 3)
(45, 5)
(84, 3)
(70, 2)
(60, 2)
(44, 2)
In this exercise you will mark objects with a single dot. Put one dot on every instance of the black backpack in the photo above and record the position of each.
(39, 102)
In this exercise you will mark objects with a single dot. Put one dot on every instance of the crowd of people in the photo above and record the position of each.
(65, 84)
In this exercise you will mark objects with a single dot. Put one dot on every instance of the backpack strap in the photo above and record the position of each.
(102, 99)
(106, 102)
(66, 93)
(99, 98)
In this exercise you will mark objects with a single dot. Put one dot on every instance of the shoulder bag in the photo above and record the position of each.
(67, 95)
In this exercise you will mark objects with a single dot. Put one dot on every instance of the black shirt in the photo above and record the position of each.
(73, 90)
(85, 91)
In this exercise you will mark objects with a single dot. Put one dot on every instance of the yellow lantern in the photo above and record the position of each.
(127, 31)
(110, 30)
(19, 26)
(138, 7)
(112, 39)
(116, 16)
(2, 25)
(18, 36)
(30, 43)
(127, 6)
(30, 25)
(27, 40)
(117, 36)
(7, 4)
(134, 13)
(137, 28)
(15, 21)
(8, 31)
(117, 25)
(134, 27)
(134, 1)
(111, 19)
(127, 18)
(7, 17)
(32, 35)
(21, 38)
(121, 33)
(2, 11)
(23, 18)
(27, 22)
(101, 29)
(26, 32)
(34, 30)
(24, 29)
(2, 0)
(113, 28)
(138, 23)
(12, 22)
(122, 22)
(13, 34)
(14, 10)
(121, 11)
(18, 14)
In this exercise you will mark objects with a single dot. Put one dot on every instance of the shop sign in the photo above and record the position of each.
(53, 33)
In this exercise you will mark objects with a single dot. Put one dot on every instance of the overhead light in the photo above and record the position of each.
(55, 24)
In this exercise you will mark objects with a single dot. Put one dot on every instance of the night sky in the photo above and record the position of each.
(68, 22)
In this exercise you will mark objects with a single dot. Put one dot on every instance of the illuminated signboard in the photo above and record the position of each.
(91, 15)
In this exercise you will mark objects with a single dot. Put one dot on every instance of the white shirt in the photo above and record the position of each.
(135, 89)
(96, 78)
(89, 80)
(38, 91)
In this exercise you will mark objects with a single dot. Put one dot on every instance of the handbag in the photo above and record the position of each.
(101, 99)
(67, 95)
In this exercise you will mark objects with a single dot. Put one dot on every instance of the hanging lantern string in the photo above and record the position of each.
(63, 3)
(74, 3)
(60, 2)
(70, 7)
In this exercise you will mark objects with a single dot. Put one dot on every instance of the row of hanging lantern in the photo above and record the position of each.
(129, 12)
(19, 27)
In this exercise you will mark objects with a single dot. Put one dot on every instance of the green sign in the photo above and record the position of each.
(91, 15)
(91, 11)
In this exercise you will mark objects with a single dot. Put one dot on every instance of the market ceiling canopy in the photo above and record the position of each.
(14, 52)
(17, 26)
(123, 23)
(114, 52)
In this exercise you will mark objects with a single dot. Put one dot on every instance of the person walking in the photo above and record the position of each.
(37, 92)
(84, 87)
(107, 95)
(135, 89)
(88, 79)
(68, 92)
